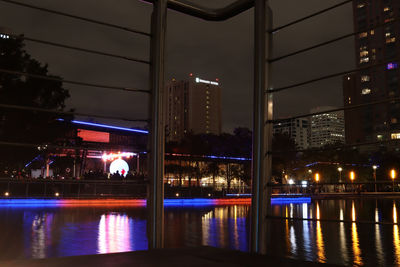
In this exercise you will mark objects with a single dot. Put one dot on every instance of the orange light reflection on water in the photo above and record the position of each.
(320, 239)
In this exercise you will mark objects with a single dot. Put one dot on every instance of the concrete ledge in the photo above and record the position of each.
(192, 257)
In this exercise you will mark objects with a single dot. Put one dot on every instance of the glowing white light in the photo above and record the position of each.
(119, 165)
(291, 181)
(198, 80)
(303, 183)
(113, 156)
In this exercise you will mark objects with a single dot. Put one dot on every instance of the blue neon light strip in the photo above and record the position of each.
(288, 200)
(107, 126)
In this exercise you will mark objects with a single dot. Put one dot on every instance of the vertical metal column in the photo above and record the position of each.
(155, 201)
(262, 131)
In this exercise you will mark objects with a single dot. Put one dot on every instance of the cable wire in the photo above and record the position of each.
(110, 148)
(331, 41)
(115, 26)
(342, 73)
(310, 16)
(56, 79)
(90, 51)
(349, 107)
(354, 145)
(26, 108)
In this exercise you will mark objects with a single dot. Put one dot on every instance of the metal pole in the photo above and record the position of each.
(155, 201)
(262, 132)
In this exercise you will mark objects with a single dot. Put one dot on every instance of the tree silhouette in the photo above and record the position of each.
(20, 125)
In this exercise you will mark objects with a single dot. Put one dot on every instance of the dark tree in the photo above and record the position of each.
(23, 126)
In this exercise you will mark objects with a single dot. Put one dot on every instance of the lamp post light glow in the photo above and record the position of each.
(374, 167)
(352, 176)
(393, 175)
(340, 169)
(317, 177)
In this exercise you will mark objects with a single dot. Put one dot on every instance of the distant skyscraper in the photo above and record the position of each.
(374, 46)
(326, 128)
(297, 129)
(193, 106)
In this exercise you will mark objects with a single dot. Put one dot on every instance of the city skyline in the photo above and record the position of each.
(221, 50)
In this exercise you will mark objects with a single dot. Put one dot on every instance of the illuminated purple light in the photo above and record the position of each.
(391, 66)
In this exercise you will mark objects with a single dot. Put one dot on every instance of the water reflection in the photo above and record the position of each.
(342, 236)
(225, 227)
(378, 238)
(40, 234)
(114, 233)
(44, 232)
(320, 239)
(354, 237)
(396, 241)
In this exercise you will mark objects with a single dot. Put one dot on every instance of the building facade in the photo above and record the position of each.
(192, 106)
(326, 128)
(376, 49)
(297, 129)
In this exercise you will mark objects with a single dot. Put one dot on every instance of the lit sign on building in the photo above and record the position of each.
(94, 136)
(198, 80)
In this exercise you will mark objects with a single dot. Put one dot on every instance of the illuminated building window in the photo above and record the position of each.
(390, 40)
(207, 107)
(207, 92)
(365, 91)
(363, 34)
(393, 120)
(207, 97)
(391, 66)
(207, 102)
(361, 5)
(364, 59)
(349, 100)
(385, 9)
(379, 137)
(363, 53)
(4, 36)
(372, 32)
(365, 78)
(395, 136)
(388, 34)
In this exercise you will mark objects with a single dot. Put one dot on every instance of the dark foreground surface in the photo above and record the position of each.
(201, 256)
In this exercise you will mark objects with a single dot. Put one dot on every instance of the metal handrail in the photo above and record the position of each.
(217, 14)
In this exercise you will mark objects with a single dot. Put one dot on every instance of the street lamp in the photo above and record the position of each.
(340, 169)
(375, 167)
(352, 177)
(317, 177)
(393, 176)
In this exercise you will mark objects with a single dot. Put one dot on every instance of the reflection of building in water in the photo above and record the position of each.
(39, 236)
(119, 233)
(225, 227)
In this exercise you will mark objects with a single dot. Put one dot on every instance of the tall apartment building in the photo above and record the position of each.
(326, 128)
(192, 106)
(374, 45)
(297, 129)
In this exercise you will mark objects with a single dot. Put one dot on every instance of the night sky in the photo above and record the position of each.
(210, 50)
